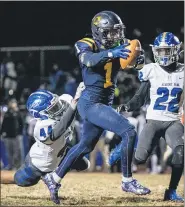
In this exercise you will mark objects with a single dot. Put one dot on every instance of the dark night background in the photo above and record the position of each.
(63, 23)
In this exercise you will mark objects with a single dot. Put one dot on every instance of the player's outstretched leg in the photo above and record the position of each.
(27, 175)
(80, 165)
(90, 137)
(110, 120)
(49, 179)
(128, 183)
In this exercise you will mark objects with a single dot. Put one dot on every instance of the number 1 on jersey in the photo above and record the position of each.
(108, 69)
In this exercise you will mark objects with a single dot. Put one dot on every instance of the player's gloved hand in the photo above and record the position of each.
(79, 90)
(121, 108)
(120, 51)
(140, 61)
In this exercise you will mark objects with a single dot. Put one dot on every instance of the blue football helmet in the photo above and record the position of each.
(44, 104)
(166, 49)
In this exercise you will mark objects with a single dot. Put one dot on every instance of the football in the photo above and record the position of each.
(135, 48)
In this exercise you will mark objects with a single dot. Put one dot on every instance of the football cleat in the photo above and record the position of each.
(134, 187)
(52, 186)
(171, 195)
(115, 155)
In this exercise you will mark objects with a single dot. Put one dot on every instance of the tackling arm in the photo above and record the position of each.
(54, 131)
(68, 116)
(65, 121)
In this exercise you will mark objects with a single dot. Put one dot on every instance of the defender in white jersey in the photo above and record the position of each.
(164, 82)
(166, 78)
(53, 135)
(165, 91)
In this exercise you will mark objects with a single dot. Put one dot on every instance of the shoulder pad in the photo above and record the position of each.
(144, 73)
(90, 42)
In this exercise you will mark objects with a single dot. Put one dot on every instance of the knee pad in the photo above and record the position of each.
(25, 177)
(141, 156)
(178, 156)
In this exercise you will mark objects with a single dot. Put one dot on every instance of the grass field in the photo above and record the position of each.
(91, 189)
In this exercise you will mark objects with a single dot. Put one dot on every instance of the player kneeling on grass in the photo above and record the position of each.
(164, 80)
(53, 135)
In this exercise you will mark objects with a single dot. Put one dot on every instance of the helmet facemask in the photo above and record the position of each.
(56, 108)
(111, 37)
(166, 55)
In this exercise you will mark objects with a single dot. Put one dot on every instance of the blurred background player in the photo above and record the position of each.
(53, 135)
(164, 81)
(12, 137)
(99, 60)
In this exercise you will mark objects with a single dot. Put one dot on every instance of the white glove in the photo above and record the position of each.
(79, 90)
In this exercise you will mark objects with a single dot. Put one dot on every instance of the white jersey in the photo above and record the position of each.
(165, 91)
(44, 153)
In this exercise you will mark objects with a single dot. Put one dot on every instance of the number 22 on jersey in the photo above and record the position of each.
(173, 104)
(108, 69)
